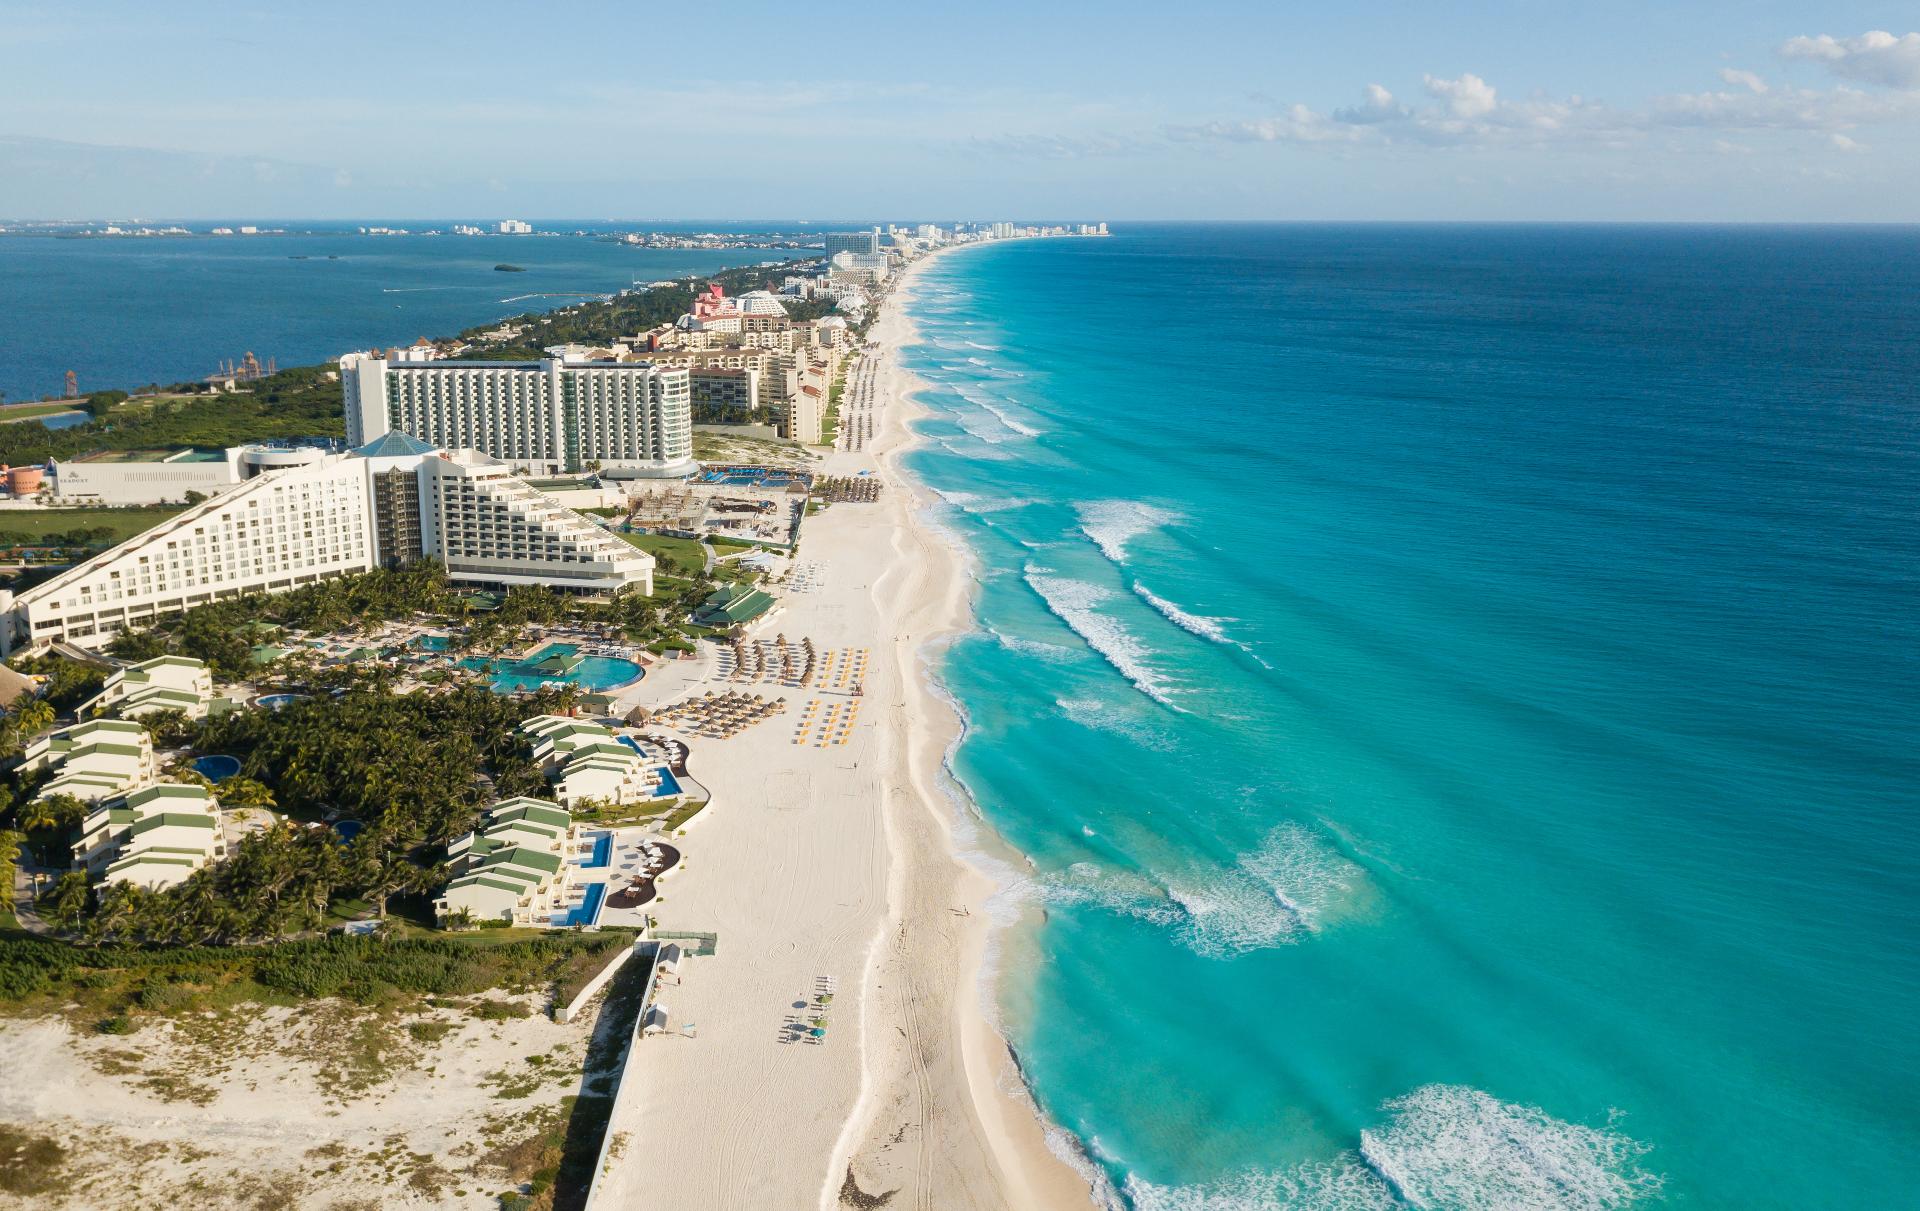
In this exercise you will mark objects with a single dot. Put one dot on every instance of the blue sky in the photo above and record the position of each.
(1502, 109)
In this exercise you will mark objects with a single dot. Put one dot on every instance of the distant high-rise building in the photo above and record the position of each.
(550, 416)
(852, 241)
(514, 227)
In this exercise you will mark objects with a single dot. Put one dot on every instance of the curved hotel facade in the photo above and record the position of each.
(555, 416)
(393, 501)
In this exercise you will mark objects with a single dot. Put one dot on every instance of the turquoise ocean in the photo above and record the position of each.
(1453, 694)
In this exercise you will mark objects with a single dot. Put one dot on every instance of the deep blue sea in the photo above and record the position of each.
(124, 312)
(1457, 691)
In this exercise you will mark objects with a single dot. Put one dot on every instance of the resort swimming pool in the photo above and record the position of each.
(557, 662)
(589, 910)
(276, 701)
(669, 785)
(217, 767)
(602, 853)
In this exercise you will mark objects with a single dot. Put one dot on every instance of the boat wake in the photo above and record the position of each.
(1442, 1148)
(1074, 602)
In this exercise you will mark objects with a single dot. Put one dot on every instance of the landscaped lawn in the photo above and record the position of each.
(21, 412)
(683, 551)
(124, 523)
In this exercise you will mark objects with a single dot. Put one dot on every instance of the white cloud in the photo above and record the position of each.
(1466, 97)
(1378, 106)
(1821, 110)
(1468, 112)
(1876, 57)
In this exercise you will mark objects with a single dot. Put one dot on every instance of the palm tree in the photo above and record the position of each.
(34, 717)
(239, 792)
(67, 902)
(39, 816)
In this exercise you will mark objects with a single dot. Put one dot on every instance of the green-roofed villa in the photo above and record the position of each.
(155, 836)
(732, 605)
(517, 867)
(586, 760)
(91, 760)
(165, 683)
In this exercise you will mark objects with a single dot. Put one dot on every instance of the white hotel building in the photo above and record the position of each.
(386, 504)
(550, 417)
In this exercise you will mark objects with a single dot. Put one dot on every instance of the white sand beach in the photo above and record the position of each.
(836, 866)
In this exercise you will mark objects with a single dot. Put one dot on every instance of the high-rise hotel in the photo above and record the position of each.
(557, 415)
(392, 501)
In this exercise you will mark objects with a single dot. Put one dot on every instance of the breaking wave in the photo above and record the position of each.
(985, 402)
(1206, 628)
(1052, 653)
(1272, 896)
(974, 502)
(1073, 602)
(1198, 624)
(1442, 1148)
(1112, 524)
(996, 370)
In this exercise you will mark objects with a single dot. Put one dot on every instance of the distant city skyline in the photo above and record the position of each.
(1501, 110)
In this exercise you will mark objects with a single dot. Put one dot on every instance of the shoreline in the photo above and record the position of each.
(1020, 1142)
(839, 867)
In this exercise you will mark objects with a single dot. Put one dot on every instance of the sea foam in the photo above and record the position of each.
(1281, 891)
(1441, 1148)
(1074, 602)
(1206, 628)
(1102, 715)
(1271, 896)
(1112, 524)
(975, 502)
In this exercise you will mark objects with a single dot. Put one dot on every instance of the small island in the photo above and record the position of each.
(505, 268)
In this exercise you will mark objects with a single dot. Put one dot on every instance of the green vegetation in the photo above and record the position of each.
(556, 1160)
(599, 322)
(21, 412)
(110, 983)
(92, 527)
(673, 554)
(414, 770)
(734, 448)
(221, 633)
(830, 423)
(31, 1164)
(301, 402)
(69, 683)
(687, 810)
(578, 973)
